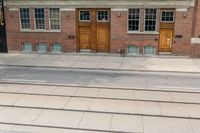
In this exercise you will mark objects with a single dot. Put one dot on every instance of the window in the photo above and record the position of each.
(167, 16)
(41, 48)
(133, 50)
(56, 48)
(27, 48)
(149, 50)
(39, 18)
(102, 16)
(150, 19)
(25, 18)
(133, 19)
(84, 16)
(54, 18)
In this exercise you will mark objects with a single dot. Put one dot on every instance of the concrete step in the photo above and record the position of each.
(188, 97)
(25, 119)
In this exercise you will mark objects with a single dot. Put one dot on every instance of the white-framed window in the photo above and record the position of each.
(54, 16)
(41, 48)
(39, 19)
(25, 18)
(134, 20)
(133, 50)
(149, 50)
(150, 19)
(56, 48)
(102, 16)
(26, 47)
(167, 16)
(84, 15)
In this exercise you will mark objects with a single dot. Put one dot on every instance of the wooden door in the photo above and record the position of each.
(102, 38)
(93, 29)
(84, 37)
(166, 40)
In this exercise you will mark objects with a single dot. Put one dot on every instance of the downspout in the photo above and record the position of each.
(194, 18)
(5, 32)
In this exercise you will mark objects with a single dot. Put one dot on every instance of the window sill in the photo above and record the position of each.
(148, 33)
(56, 31)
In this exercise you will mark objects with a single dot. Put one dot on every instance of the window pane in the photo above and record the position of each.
(133, 19)
(167, 16)
(39, 18)
(25, 18)
(55, 18)
(102, 15)
(150, 19)
(84, 16)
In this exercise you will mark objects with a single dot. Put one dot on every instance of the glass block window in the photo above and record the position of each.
(133, 50)
(149, 50)
(167, 16)
(150, 19)
(54, 18)
(27, 47)
(25, 18)
(133, 19)
(102, 16)
(56, 48)
(41, 48)
(85, 15)
(39, 18)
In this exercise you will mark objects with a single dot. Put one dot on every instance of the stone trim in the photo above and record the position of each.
(119, 9)
(67, 9)
(195, 40)
(181, 9)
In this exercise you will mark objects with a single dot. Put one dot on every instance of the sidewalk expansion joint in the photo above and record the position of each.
(195, 91)
(103, 112)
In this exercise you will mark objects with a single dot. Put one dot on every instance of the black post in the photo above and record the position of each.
(3, 44)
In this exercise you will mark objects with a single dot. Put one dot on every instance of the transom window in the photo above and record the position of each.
(54, 18)
(102, 16)
(85, 15)
(25, 18)
(167, 16)
(39, 18)
(150, 19)
(133, 19)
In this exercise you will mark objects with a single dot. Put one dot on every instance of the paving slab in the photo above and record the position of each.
(96, 121)
(88, 92)
(38, 89)
(127, 123)
(152, 95)
(193, 110)
(166, 125)
(114, 93)
(195, 124)
(173, 109)
(149, 108)
(79, 103)
(185, 97)
(55, 102)
(31, 101)
(66, 91)
(9, 99)
(59, 118)
(10, 88)
(4, 127)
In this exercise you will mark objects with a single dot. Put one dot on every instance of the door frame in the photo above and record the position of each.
(160, 39)
(93, 24)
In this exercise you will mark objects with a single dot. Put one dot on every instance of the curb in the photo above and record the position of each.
(102, 69)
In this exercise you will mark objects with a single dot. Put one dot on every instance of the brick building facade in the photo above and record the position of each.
(139, 26)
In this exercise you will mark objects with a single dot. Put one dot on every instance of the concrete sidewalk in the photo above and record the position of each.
(81, 61)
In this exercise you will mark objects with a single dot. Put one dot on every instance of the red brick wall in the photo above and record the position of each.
(15, 37)
(183, 26)
(121, 39)
(197, 26)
